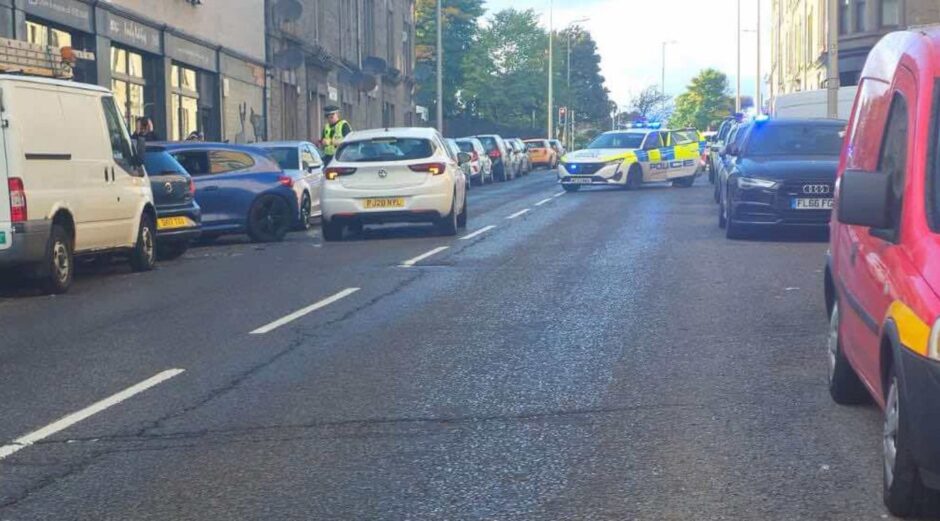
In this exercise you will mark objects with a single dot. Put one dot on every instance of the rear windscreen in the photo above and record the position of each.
(465, 146)
(385, 149)
(488, 143)
(286, 157)
(158, 163)
(792, 139)
(536, 144)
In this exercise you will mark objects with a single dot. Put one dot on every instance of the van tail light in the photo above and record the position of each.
(333, 172)
(495, 154)
(18, 211)
(284, 180)
(431, 168)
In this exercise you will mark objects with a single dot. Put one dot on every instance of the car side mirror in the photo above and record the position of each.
(463, 158)
(865, 199)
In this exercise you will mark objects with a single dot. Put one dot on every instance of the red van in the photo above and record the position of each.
(882, 277)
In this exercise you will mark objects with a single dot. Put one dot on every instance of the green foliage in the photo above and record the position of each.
(706, 101)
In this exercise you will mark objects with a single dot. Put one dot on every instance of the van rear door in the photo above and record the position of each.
(6, 226)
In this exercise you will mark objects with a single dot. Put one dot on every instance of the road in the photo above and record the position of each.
(604, 355)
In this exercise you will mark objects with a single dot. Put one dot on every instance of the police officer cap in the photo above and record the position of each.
(332, 109)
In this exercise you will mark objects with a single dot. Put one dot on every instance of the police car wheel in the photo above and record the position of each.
(571, 188)
(634, 178)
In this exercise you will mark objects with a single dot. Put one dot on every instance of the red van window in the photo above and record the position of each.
(933, 168)
(868, 124)
(893, 157)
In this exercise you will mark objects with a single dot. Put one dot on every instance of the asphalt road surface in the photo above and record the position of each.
(603, 355)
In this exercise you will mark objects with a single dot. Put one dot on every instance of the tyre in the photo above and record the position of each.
(171, 250)
(845, 388)
(144, 255)
(634, 178)
(684, 182)
(207, 238)
(904, 492)
(269, 219)
(58, 265)
(332, 231)
(722, 220)
(462, 217)
(717, 193)
(306, 208)
(571, 188)
(447, 225)
(734, 230)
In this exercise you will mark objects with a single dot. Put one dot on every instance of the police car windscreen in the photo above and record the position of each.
(385, 149)
(618, 140)
(286, 157)
(795, 139)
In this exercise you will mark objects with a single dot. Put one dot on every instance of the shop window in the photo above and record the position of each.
(843, 16)
(890, 13)
(860, 16)
(40, 34)
(128, 84)
(184, 102)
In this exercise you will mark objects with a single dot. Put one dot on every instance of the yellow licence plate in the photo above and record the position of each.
(170, 223)
(392, 202)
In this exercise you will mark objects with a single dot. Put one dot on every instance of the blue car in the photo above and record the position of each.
(240, 189)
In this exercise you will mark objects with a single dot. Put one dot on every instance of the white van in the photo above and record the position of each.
(812, 104)
(71, 182)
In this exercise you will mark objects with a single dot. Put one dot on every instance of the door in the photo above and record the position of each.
(313, 166)
(657, 168)
(196, 162)
(128, 185)
(684, 155)
(871, 288)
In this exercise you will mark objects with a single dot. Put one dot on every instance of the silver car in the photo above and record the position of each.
(481, 166)
(301, 161)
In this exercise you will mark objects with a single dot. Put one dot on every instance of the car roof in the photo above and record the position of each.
(208, 145)
(52, 81)
(404, 132)
(801, 121)
(280, 143)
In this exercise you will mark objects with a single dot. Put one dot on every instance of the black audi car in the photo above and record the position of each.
(782, 174)
(179, 218)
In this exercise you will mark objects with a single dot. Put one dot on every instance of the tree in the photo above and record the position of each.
(650, 103)
(705, 101)
(459, 30)
(589, 97)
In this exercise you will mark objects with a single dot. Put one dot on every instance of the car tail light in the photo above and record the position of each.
(192, 187)
(333, 172)
(284, 180)
(495, 154)
(432, 168)
(18, 211)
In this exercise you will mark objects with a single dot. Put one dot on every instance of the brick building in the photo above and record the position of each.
(355, 54)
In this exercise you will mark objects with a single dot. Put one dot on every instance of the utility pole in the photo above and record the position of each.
(440, 70)
(758, 106)
(737, 98)
(832, 70)
(551, 71)
(663, 84)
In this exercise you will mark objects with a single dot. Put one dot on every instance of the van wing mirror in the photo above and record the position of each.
(463, 158)
(865, 199)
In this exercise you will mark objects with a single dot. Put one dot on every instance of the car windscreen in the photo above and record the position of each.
(795, 139)
(535, 144)
(465, 146)
(161, 162)
(385, 149)
(618, 140)
(286, 157)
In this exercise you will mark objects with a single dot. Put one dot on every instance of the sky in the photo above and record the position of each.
(629, 35)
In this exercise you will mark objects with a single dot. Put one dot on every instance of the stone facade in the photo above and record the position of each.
(355, 54)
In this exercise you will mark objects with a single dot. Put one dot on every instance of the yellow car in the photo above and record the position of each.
(629, 158)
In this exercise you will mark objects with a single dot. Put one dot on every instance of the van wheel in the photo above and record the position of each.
(904, 492)
(58, 267)
(172, 250)
(144, 255)
(844, 386)
(269, 219)
(448, 224)
(331, 231)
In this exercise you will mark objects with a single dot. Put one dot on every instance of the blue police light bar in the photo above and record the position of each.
(646, 124)
(761, 118)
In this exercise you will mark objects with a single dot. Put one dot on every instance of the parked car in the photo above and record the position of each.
(727, 156)
(179, 218)
(71, 182)
(394, 175)
(525, 165)
(882, 284)
(481, 166)
(541, 153)
(454, 150)
(783, 175)
(499, 153)
(560, 150)
(240, 189)
(302, 162)
(513, 163)
(717, 146)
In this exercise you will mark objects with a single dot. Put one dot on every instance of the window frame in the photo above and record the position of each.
(212, 161)
(109, 106)
(888, 134)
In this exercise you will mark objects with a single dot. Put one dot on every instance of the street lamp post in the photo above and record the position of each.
(758, 105)
(440, 69)
(737, 98)
(551, 71)
(663, 84)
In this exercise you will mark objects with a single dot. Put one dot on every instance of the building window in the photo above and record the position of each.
(843, 16)
(860, 16)
(890, 13)
(128, 84)
(390, 42)
(184, 101)
(368, 35)
(406, 47)
(39, 34)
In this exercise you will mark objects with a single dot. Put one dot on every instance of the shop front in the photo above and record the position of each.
(56, 23)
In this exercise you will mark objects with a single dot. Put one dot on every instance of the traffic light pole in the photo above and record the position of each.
(832, 69)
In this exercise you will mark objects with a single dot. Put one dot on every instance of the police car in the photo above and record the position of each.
(631, 157)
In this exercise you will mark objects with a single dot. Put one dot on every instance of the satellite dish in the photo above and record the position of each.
(289, 59)
(374, 65)
(288, 10)
(365, 82)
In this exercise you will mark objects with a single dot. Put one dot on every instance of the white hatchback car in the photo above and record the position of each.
(394, 175)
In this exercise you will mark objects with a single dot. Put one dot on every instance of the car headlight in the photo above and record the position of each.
(933, 346)
(755, 182)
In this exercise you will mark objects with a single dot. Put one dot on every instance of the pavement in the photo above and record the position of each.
(605, 355)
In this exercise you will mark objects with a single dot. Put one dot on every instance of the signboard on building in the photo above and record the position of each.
(127, 31)
(191, 53)
(71, 13)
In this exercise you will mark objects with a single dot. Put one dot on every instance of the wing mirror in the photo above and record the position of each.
(866, 199)
(463, 158)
